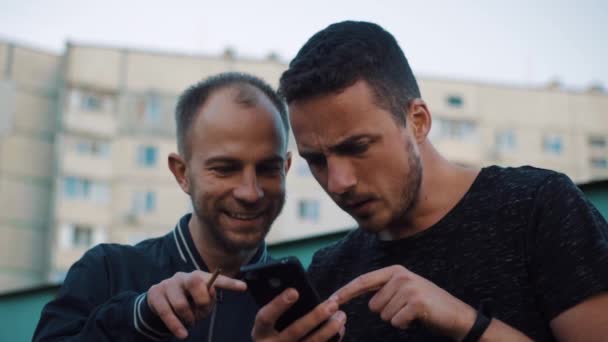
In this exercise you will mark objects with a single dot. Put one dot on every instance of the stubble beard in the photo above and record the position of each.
(211, 223)
(410, 193)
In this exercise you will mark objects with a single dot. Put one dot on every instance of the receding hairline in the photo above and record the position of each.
(241, 93)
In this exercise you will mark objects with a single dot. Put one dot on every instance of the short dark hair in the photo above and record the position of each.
(195, 96)
(344, 53)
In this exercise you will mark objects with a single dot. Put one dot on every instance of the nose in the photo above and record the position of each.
(341, 176)
(249, 190)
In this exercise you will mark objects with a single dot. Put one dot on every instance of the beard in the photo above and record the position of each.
(407, 199)
(410, 191)
(210, 220)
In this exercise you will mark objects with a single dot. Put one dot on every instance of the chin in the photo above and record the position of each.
(244, 242)
(371, 227)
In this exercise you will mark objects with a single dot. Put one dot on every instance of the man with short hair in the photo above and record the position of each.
(442, 252)
(232, 135)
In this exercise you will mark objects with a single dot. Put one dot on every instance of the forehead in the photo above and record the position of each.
(328, 119)
(225, 126)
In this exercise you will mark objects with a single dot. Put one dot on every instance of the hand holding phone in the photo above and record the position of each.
(267, 281)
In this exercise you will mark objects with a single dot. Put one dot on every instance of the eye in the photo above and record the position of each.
(270, 168)
(353, 148)
(224, 169)
(316, 161)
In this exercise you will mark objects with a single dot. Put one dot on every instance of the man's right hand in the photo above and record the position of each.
(183, 299)
(263, 329)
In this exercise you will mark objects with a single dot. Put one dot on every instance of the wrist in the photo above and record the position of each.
(480, 325)
(464, 323)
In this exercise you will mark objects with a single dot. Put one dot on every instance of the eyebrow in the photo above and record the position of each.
(341, 145)
(230, 160)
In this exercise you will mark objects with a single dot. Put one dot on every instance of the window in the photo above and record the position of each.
(599, 163)
(76, 188)
(552, 144)
(147, 155)
(597, 142)
(505, 140)
(454, 129)
(91, 102)
(144, 202)
(152, 109)
(454, 101)
(82, 236)
(308, 210)
(93, 147)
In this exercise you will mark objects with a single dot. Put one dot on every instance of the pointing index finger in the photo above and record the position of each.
(365, 283)
(228, 283)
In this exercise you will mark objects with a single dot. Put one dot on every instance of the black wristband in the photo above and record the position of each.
(482, 321)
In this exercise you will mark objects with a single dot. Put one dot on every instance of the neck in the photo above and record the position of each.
(212, 252)
(443, 185)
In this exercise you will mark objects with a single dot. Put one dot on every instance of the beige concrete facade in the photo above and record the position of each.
(28, 88)
(85, 159)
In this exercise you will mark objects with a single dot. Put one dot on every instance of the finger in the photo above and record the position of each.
(307, 323)
(332, 327)
(197, 289)
(395, 304)
(180, 304)
(166, 314)
(404, 317)
(269, 313)
(228, 283)
(368, 282)
(386, 295)
(342, 333)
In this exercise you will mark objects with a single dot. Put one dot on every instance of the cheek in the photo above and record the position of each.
(274, 187)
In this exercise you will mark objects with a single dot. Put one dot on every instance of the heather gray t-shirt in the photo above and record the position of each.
(524, 241)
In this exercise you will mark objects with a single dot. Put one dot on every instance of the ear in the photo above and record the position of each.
(418, 119)
(179, 168)
(287, 161)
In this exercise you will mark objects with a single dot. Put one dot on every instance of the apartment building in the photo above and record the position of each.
(480, 124)
(28, 93)
(83, 158)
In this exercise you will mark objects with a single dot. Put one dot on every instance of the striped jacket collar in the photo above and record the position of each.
(189, 255)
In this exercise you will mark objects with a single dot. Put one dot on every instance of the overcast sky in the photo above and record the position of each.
(514, 42)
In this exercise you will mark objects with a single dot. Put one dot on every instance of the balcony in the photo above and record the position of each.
(98, 124)
(89, 166)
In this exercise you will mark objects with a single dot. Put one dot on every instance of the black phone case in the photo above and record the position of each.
(268, 280)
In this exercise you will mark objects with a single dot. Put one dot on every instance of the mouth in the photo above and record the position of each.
(360, 206)
(244, 216)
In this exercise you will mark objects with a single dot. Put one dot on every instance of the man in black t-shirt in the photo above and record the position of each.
(442, 252)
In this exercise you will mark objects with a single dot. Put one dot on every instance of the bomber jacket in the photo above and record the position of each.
(103, 297)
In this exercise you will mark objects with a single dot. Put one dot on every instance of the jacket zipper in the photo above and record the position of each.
(213, 314)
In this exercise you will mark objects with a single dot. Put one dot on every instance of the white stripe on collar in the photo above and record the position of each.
(181, 235)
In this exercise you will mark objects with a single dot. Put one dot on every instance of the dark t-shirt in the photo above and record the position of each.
(523, 241)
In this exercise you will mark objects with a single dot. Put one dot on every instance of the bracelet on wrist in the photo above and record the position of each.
(482, 321)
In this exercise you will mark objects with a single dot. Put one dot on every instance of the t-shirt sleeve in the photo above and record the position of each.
(568, 247)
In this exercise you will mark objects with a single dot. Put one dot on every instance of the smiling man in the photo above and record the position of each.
(232, 134)
(443, 252)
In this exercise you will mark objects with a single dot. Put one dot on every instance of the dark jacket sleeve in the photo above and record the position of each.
(86, 309)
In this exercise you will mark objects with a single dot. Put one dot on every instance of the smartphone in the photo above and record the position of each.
(268, 280)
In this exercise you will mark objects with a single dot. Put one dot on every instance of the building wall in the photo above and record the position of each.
(481, 124)
(27, 124)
